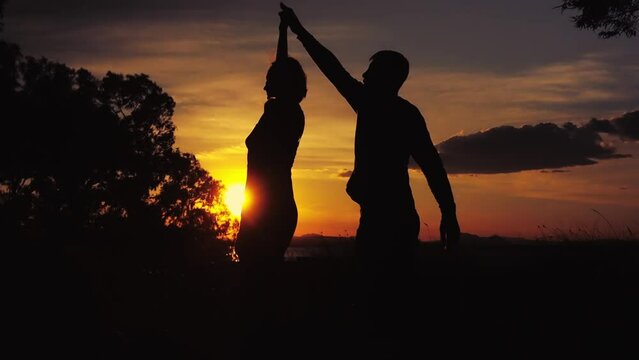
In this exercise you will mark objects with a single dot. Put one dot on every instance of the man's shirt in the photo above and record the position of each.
(388, 132)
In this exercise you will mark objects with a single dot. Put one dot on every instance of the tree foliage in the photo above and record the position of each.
(84, 158)
(609, 17)
(2, 2)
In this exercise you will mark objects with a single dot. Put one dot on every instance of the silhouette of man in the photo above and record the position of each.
(389, 130)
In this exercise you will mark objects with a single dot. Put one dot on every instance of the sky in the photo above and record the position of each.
(496, 81)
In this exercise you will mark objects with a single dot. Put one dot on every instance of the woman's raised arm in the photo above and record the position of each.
(282, 43)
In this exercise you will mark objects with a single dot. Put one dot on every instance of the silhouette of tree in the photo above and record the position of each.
(2, 2)
(85, 158)
(610, 17)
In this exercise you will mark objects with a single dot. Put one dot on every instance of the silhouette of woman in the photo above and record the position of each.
(268, 223)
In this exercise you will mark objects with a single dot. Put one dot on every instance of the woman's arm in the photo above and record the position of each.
(282, 44)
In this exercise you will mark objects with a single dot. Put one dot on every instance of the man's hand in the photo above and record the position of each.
(449, 231)
(288, 17)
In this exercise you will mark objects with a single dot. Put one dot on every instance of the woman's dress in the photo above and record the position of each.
(270, 216)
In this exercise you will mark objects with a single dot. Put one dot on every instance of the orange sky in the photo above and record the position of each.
(462, 81)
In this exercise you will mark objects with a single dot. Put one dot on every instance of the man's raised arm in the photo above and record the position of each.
(327, 62)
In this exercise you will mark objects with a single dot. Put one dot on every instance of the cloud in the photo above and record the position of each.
(546, 147)
(625, 126)
(554, 171)
(507, 149)
(345, 173)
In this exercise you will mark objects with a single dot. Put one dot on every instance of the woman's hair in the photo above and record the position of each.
(287, 79)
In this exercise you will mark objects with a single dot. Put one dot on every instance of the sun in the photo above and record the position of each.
(234, 198)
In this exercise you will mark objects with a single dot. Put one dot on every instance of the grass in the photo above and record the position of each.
(595, 232)
(539, 295)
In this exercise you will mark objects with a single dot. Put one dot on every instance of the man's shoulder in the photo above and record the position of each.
(408, 107)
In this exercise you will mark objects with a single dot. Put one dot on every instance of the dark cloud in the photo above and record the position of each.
(554, 171)
(626, 126)
(345, 173)
(602, 126)
(546, 147)
(507, 149)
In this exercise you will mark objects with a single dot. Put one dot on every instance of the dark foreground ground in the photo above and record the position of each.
(543, 299)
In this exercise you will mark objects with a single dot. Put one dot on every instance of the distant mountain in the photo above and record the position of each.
(320, 240)
(318, 246)
(472, 239)
(314, 246)
(466, 239)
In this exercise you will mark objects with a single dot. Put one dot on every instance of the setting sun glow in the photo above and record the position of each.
(234, 198)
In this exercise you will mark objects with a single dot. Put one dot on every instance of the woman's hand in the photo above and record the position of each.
(288, 16)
